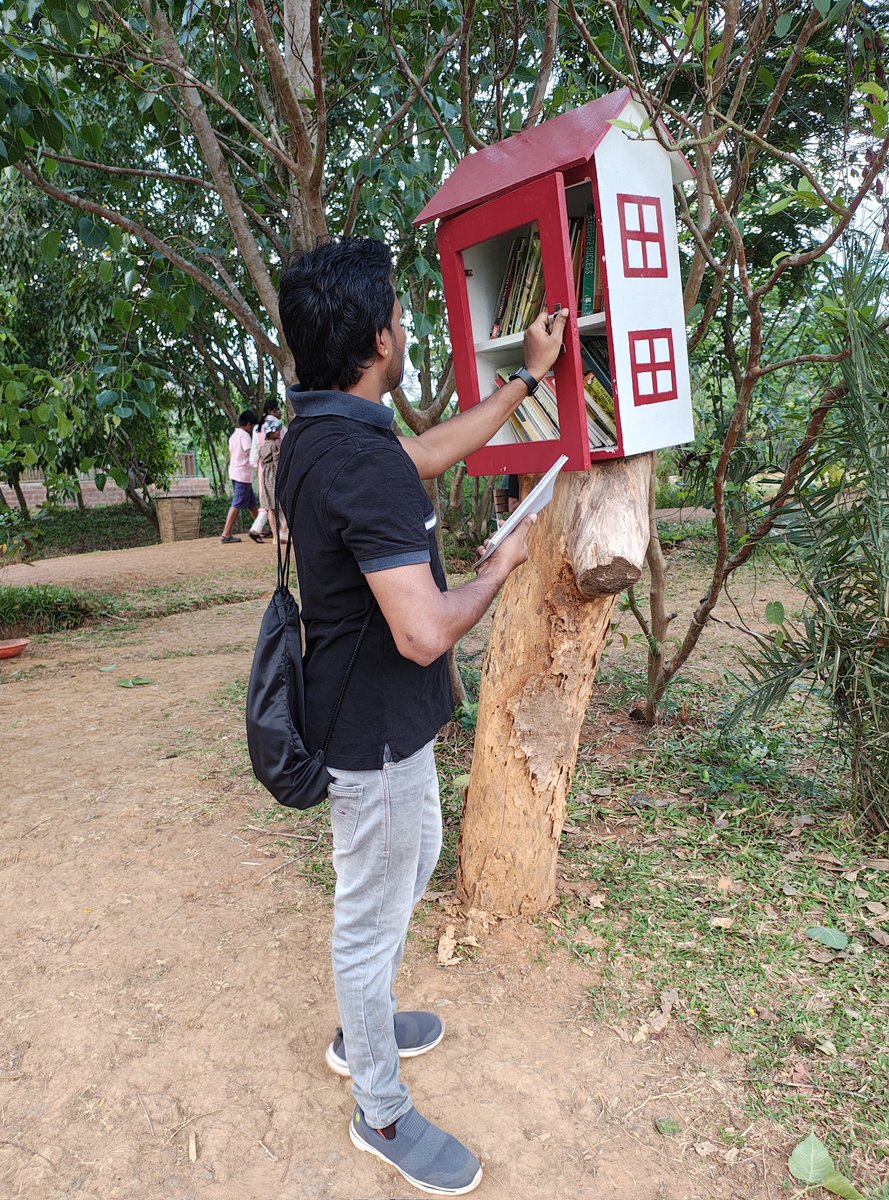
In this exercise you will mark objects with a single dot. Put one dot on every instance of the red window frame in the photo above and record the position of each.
(646, 239)
(653, 366)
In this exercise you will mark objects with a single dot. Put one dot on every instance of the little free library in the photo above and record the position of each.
(577, 212)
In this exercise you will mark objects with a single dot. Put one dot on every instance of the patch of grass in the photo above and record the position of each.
(47, 608)
(701, 873)
(79, 531)
(112, 527)
(167, 599)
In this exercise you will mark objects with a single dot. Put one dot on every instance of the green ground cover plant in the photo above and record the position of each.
(110, 527)
(47, 608)
(725, 873)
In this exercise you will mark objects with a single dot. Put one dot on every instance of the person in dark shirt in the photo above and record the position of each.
(367, 551)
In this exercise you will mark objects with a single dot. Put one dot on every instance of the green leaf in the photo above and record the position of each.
(49, 246)
(624, 125)
(782, 25)
(136, 681)
(841, 1186)
(834, 939)
(823, 7)
(91, 233)
(873, 89)
(775, 612)
(112, 667)
(811, 1162)
(667, 1127)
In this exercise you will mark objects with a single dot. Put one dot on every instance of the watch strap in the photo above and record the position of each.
(527, 379)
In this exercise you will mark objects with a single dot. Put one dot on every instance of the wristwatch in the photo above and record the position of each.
(527, 379)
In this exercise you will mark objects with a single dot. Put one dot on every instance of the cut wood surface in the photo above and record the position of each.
(547, 637)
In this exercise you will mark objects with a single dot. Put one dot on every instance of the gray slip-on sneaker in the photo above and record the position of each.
(415, 1033)
(430, 1159)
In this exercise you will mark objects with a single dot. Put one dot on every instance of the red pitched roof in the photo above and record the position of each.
(558, 144)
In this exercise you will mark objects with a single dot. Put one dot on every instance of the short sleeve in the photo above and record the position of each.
(380, 506)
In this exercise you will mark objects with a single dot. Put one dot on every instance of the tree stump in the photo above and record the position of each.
(547, 637)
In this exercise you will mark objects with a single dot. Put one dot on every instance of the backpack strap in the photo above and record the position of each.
(284, 563)
(284, 581)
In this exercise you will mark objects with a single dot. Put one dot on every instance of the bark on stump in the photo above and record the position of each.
(547, 637)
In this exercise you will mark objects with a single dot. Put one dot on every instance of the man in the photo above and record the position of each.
(367, 549)
(241, 473)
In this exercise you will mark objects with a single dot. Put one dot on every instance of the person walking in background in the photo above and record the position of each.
(240, 472)
(269, 453)
(271, 408)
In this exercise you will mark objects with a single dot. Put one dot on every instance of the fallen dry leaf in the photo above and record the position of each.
(766, 1014)
(447, 944)
(801, 1078)
(877, 864)
(596, 900)
(705, 1149)
(880, 936)
(823, 956)
(722, 922)
(878, 909)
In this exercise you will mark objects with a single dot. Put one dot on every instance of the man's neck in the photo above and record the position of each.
(369, 387)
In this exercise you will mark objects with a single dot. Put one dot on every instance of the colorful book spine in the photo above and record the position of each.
(505, 289)
(590, 256)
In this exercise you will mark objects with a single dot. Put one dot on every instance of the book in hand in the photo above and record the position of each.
(536, 500)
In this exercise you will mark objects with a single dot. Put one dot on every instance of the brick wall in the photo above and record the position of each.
(186, 484)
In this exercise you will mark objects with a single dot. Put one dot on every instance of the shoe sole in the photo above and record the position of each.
(341, 1068)
(360, 1144)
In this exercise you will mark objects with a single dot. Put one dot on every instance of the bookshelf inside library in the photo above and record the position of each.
(506, 284)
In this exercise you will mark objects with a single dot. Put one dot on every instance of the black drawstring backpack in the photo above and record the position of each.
(276, 702)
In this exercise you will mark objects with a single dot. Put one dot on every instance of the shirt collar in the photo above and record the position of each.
(340, 404)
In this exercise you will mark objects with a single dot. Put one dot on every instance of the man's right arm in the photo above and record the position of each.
(425, 622)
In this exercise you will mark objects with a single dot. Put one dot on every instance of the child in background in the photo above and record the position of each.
(269, 453)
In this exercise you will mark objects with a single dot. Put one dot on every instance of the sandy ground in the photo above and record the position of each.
(165, 990)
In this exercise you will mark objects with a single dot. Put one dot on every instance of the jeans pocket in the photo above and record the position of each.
(345, 808)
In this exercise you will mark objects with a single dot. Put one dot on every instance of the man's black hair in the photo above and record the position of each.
(247, 417)
(333, 301)
(270, 405)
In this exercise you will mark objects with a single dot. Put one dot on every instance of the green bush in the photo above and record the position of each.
(44, 608)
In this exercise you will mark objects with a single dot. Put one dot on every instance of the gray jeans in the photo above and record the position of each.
(386, 841)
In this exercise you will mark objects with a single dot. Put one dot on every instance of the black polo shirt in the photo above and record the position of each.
(362, 509)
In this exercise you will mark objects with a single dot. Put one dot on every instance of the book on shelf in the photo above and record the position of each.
(505, 288)
(523, 286)
(537, 417)
(590, 288)
(594, 357)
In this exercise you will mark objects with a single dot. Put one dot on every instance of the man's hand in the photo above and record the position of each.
(511, 552)
(543, 341)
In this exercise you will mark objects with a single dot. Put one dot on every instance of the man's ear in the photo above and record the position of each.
(382, 343)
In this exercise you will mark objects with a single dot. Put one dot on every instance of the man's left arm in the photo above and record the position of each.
(450, 441)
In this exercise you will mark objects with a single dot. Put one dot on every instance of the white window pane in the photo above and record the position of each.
(664, 382)
(649, 217)
(642, 352)
(661, 350)
(654, 255)
(635, 261)
(645, 384)
(631, 216)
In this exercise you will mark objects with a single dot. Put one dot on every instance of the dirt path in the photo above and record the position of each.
(165, 978)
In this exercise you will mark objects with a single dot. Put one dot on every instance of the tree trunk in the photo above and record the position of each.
(546, 640)
(20, 496)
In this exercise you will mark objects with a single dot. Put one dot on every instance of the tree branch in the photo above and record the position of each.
(244, 316)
